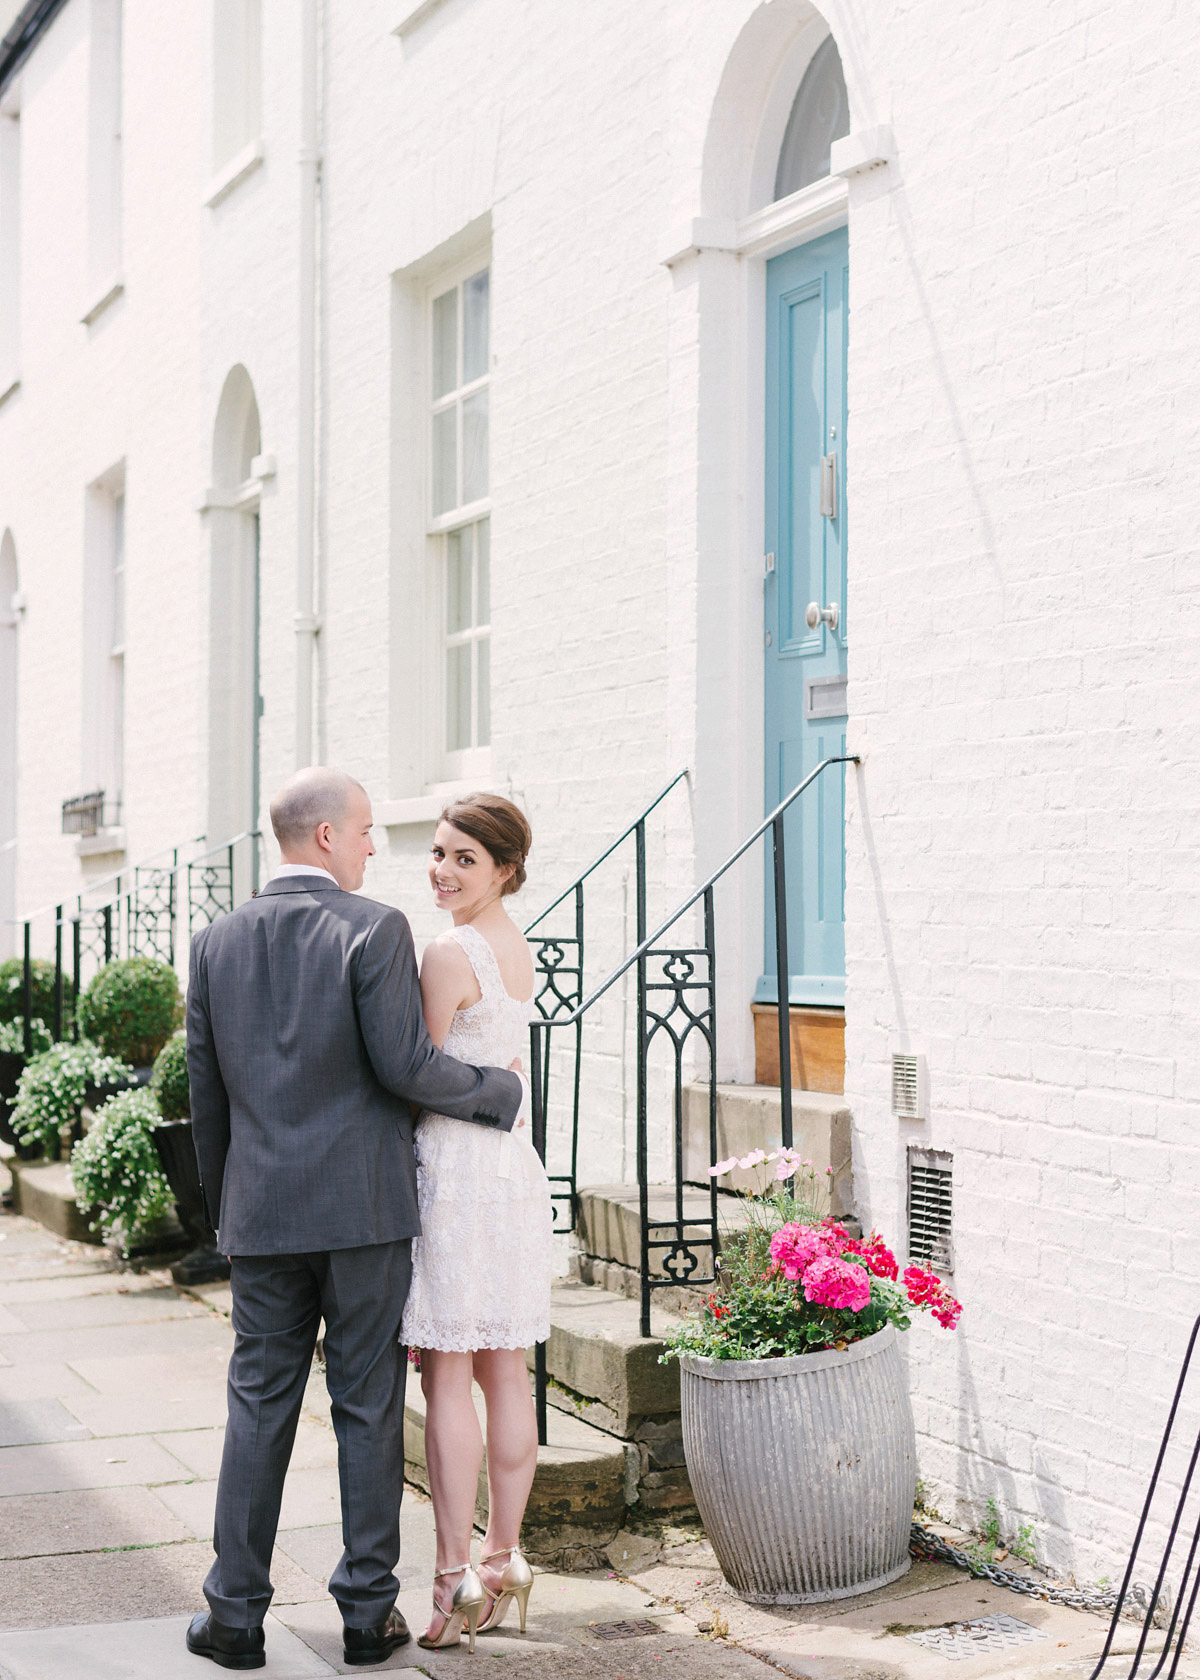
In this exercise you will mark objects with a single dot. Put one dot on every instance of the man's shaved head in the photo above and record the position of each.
(317, 795)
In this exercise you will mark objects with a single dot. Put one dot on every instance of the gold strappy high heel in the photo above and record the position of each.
(516, 1582)
(469, 1599)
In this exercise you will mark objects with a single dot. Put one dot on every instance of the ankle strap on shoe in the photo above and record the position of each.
(455, 1569)
(505, 1551)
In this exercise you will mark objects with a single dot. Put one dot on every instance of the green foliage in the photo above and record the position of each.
(12, 1037)
(992, 1543)
(169, 1081)
(12, 989)
(116, 1169)
(51, 1092)
(131, 1008)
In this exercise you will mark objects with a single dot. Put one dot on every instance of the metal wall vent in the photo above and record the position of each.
(909, 1087)
(930, 1233)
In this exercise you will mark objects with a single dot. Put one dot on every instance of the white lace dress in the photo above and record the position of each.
(482, 1264)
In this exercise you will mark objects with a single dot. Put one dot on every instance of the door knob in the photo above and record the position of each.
(814, 615)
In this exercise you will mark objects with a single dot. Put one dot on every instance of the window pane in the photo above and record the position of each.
(444, 496)
(458, 697)
(483, 572)
(475, 327)
(445, 343)
(458, 580)
(484, 688)
(475, 446)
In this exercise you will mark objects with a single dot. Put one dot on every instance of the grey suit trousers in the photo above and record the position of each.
(278, 1303)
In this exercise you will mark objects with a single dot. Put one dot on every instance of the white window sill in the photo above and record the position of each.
(107, 298)
(9, 388)
(427, 807)
(242, 163)
(105, 842)
(413, 13)
(465, 515)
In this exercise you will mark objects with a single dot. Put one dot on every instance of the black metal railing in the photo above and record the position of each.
(149, 909)
(559, 978)
(1169, 1604)
(676, 1003)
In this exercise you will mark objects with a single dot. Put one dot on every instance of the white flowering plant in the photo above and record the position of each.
(12, 1037)
(116, 1170)
(52, 1090)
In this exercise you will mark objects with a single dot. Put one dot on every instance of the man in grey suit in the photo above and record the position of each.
(309, 1061)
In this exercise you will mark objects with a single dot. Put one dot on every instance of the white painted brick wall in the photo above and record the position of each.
(1021, 901)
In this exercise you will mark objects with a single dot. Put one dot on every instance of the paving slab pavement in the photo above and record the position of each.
(112, 1406)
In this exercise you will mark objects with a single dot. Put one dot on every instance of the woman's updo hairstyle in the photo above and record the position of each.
(500, 828)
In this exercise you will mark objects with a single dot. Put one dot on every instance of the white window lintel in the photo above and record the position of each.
(240, 165)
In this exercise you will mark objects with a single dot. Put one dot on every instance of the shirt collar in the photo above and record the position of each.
(288, 869)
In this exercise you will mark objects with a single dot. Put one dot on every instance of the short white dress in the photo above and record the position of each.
(482, 1264)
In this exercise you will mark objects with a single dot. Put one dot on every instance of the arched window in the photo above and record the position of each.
(820, 115)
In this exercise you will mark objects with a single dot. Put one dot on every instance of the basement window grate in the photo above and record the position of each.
(930, 1236)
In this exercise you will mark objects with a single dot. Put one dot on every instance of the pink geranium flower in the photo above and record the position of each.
(832, 1282)
(795, 1247)
(926, 1289)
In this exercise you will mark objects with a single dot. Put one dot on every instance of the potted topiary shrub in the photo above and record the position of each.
(52, 1092)
(116, 1170)
(131, 1008)
(177, 1152)
(42, 977)
(797, 1422)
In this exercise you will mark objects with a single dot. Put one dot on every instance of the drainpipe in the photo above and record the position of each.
(307, 624)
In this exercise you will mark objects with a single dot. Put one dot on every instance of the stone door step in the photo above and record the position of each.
(580, 1493)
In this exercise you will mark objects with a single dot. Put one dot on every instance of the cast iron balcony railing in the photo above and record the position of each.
(89, 813)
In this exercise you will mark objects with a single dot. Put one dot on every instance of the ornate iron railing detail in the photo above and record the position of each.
(558, 988)
(145, 910)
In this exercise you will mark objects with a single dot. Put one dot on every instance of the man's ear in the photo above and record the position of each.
(324, 831)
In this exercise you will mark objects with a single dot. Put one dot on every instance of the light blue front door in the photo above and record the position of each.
(806, 663)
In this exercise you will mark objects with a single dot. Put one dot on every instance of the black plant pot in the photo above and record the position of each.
(177, 1152)
(12, 1066)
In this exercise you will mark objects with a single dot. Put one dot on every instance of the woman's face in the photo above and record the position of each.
(463, 874)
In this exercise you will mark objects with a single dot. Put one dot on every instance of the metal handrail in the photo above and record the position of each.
(679, 998)
(608, 851)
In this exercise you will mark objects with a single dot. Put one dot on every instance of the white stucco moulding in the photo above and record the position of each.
(240, 165)
(242, 495)
(110, 294)
(866, 148)
(105, 842)
(9, 387)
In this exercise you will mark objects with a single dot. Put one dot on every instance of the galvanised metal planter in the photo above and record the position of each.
(804, 1469)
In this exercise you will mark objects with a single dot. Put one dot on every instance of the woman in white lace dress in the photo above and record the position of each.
(481, 1267)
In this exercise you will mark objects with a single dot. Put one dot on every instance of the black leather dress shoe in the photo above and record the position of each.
(230, 1647)
(372, 1645)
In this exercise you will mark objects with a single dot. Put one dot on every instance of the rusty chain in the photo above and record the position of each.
(1101, 1600)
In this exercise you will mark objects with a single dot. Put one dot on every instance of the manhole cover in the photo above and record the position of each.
(623, 1630)
(968, 1639)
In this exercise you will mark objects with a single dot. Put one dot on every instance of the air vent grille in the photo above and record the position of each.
(908, 1087)
(930, 1208)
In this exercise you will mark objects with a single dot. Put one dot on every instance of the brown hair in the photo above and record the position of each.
(500, 828)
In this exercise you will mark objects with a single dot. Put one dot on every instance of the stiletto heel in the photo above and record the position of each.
(515, 1583)
(468, 1600)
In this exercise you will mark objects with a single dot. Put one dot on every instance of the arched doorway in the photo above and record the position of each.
(9, 620)
(235, 697)
(805, 610)
(764, 280)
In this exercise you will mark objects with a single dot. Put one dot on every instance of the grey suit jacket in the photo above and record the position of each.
(309, 1060)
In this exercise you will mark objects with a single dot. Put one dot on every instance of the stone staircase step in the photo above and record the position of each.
(748, 1117)
(582, 1489)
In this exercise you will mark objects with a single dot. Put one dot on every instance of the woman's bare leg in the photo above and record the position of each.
(511, 1449)
(454, 1454)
